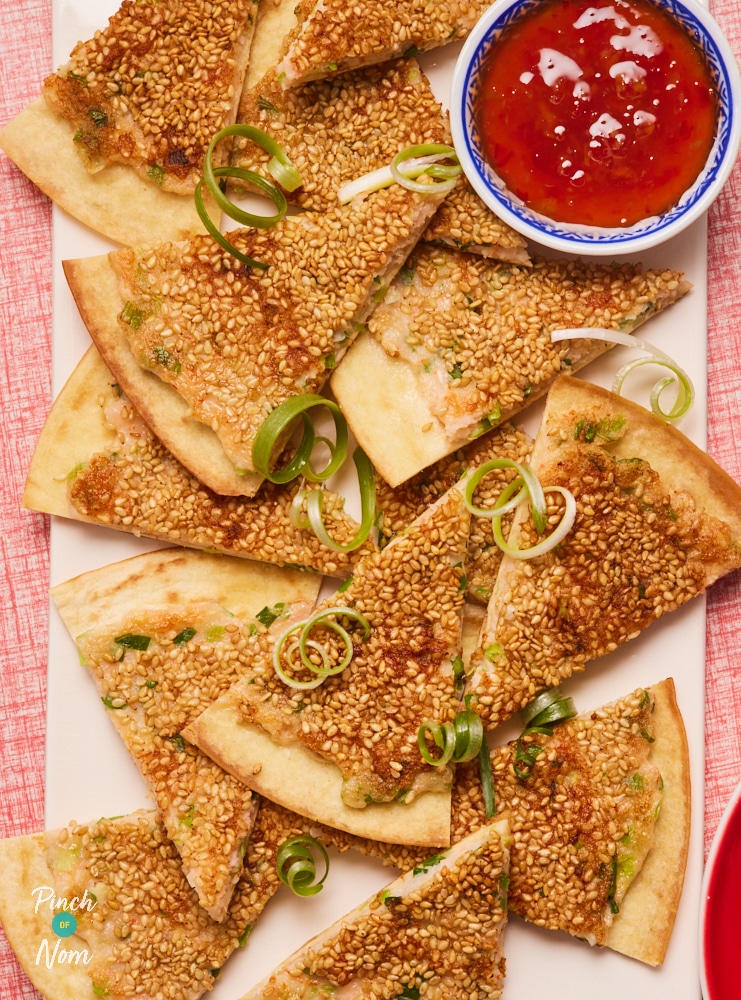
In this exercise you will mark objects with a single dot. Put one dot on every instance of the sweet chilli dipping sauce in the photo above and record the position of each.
(596, 113)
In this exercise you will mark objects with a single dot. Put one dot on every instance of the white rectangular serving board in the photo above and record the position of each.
(89, 773)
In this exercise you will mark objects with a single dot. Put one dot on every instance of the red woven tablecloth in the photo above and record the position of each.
(25, 361)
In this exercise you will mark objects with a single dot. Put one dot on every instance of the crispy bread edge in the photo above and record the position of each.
(299, 780)
(24, 868)
(94, 285)
(177, 577)
(40, 144)
(643, 928)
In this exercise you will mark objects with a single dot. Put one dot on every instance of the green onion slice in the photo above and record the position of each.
(279, 166)
(487, 780)
(301, 642)
(279, 421)
(428, 151)
(459, 741)
(555, 538)
(550, 706)
(539, 716)
(367, 484)
(685, 391)
(528, 485)
(410, 163)
(296, 867)
(525, 485)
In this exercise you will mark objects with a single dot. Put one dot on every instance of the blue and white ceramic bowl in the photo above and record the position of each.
(568, 237)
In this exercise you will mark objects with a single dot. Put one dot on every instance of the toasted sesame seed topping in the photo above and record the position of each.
(463, 222)
(638, 549)
(335, 36)
(140, 487)
(192, 656)
(146, 933)
(437, 932)
(155, 85)
(335, 131)
(236, 342)
(365, 720)
(400, 506)
(477, 333)
(587, 811)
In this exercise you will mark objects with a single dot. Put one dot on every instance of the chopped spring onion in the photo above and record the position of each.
(296, 867)
(458, 741)
(410, 163)
(274, 428)
(547, 544)
(487, 780)
(525, 485)
(529, 485)
(539, 716)
(679, 378)
(301, 643)
(279, 166)
(315, 500)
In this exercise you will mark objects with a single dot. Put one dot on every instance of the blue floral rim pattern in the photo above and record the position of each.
(582, 234)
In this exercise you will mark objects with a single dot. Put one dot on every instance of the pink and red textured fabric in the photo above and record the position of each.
(25, 361)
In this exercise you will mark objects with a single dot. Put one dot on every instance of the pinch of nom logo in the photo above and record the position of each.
(63, 925)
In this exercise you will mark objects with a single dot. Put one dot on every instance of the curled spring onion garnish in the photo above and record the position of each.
(685, 392)
(406, 166)
(539, 716)
(526, 485)
(314, 500)
(296, 867)
(302, 645)
(458, 741)
(487, 780)
(279, 166)
(274, 428)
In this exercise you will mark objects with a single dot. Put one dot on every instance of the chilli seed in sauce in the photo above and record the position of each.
(596, 113)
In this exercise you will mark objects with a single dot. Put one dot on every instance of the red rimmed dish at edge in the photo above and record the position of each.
(720, 922)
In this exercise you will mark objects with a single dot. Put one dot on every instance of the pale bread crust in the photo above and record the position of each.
(394, 424)
(24, 868)
(179, 577)
(309, 785)
(115, 202)
(94, 285)
(72, 432)
(643, 928)
(275, 21)
(681, 465)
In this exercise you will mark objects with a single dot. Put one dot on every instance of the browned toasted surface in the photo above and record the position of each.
(153, 87)
(365, 720)
(334, 36)
(588, 811)
(399, 506)
(335, 131)
(656, 522)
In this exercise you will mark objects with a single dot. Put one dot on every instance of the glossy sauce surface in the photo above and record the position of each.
(722, 931)
(596, 113)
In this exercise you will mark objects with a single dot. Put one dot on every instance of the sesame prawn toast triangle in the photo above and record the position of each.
(345, 753)
(657, 522)
(333, 36)
(160, 636)
(600, 827)
(461, 343)
(206, 348)
(438, 929)
(97, 461)
(40, 143)
(140, 927)
(127, 120)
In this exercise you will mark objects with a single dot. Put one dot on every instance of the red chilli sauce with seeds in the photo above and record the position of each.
(596, 113)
